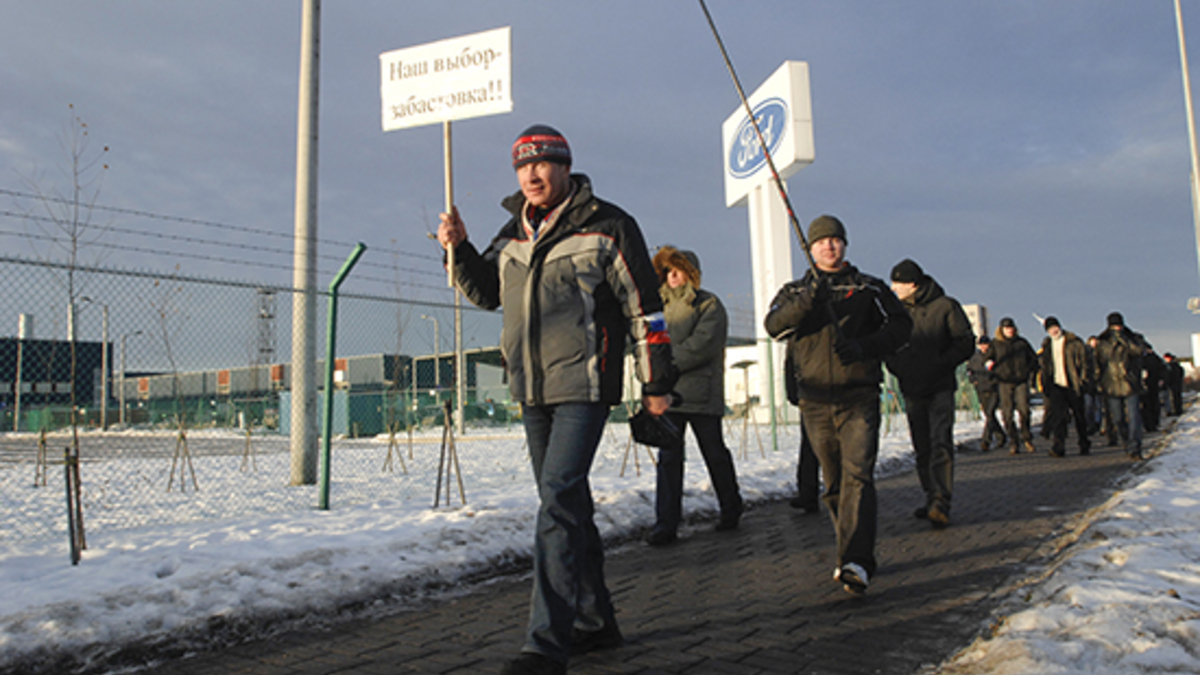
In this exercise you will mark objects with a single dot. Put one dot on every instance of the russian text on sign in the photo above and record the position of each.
(458, 78)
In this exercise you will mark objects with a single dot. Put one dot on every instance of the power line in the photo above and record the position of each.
(195, 221)
(222, 244)
(209, 258)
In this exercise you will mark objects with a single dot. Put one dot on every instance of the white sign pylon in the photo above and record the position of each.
(783, 109)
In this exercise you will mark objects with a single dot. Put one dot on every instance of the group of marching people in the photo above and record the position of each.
(579, 289)
(1111, 384)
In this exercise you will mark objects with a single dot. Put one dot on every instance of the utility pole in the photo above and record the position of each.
(1191, 122)
(304, 450)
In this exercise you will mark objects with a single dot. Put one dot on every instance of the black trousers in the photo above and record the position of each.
(669, 488)
(931, 426)
(807, 481)
(1066, 404)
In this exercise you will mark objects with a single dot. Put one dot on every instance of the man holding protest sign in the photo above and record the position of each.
(574, 277)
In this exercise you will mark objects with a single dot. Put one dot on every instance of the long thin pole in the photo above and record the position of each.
(104, 371)
(787, 203)
(304, 274)
(121, 390)
(1191, 121)
(459, 372)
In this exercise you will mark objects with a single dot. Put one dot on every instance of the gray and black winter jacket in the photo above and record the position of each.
(570, 299)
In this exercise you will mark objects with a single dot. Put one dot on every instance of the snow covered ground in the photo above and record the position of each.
(1125, 600)
(1126, 596)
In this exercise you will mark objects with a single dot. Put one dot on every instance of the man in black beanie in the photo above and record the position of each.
(839, 323)
(941, 339)
(986, 390)
(1064, 380)
(1013, 363)
(564, 355)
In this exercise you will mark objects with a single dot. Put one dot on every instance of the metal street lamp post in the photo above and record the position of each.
(122, 391)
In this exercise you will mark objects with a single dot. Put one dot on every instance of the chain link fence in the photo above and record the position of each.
(176, 391)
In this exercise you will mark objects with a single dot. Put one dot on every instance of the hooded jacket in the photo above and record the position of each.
(699, 326)
(866, 311)
(1119, 360)
(570, 299)
(941, 339)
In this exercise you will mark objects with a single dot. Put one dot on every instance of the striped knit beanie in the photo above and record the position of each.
(540, 143)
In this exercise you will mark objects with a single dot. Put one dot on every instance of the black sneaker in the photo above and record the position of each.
(529, 663)
(586, 641)
(921, 513)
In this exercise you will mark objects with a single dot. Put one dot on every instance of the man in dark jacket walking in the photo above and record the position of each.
(844, 323)
(1013, 363)
(985, 389)
(1155, 372)
(1064, 380)
(1119, 360)
(1174, 382)
(575, 279)
(941, 339)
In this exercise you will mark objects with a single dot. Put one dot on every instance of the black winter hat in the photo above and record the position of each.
(1050, 322)
(1115, 319)
(984, 340)
(540, 143)
(1007, 322)
(826, 226)
(907, 271)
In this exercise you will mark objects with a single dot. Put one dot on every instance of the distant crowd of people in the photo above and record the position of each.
(1113, 385)
(579, 290)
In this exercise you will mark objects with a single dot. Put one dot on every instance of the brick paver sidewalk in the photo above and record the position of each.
(757, 600)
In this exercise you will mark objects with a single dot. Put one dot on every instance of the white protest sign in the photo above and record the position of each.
(453, 79)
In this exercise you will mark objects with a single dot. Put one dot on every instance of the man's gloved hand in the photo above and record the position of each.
(849, 351)
(819, 289)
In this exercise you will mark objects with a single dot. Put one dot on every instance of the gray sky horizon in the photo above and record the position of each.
(1032, 157)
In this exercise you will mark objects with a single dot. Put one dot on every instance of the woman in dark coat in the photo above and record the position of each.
(698, 325)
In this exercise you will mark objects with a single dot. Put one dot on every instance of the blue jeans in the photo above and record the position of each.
(568, 562)
(1126, 420)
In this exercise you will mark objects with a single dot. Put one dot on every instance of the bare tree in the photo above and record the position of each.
(170, 323)
(60, 226)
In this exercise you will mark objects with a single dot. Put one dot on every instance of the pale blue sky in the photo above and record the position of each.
(1031, 155)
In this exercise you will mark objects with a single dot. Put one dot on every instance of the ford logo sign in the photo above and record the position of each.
(745, 153)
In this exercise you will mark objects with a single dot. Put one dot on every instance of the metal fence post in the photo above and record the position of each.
(330, 351)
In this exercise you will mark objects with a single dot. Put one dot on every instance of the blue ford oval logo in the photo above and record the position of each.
(745, 154)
